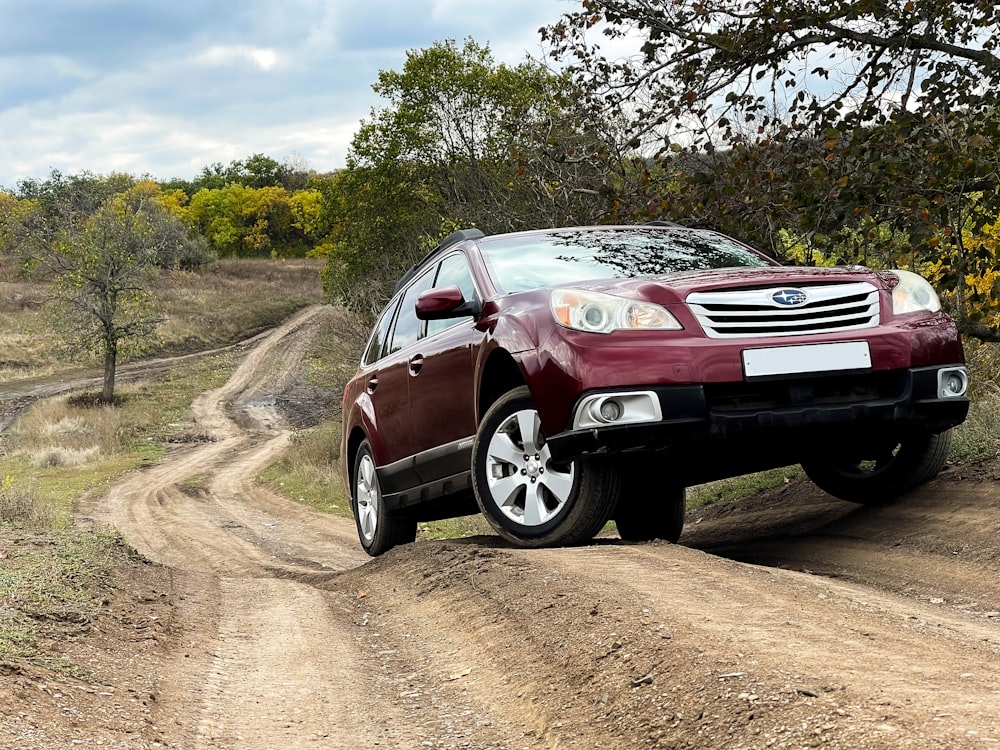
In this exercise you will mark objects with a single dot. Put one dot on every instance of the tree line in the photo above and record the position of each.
(823, 133)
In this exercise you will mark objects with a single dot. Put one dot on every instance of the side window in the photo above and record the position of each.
(378, 345)
(454, 271)
(408, 325)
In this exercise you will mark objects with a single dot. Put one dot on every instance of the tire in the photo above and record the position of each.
(643, 514)
(379, 530)
(879, 473)
(528, 500)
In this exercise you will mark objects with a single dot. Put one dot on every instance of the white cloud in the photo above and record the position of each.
(263, 57)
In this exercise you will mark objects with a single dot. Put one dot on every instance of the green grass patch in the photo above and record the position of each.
(308, 471)
(455, 528)
(735, 488)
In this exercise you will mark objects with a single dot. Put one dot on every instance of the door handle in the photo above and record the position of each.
(416, 362)
(372, 384)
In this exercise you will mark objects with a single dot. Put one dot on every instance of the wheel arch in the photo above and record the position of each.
(354, 441)
(501, 373)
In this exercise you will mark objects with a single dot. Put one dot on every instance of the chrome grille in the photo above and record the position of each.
(749, 313)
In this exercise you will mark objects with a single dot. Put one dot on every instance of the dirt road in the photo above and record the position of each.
(787, 621)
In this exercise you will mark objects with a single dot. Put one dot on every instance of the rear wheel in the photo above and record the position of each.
(379, 530)
(527, 498)
(882, 470)
(645, 513)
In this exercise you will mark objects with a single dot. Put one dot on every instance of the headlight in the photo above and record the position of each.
(603, 313)
(913, 294)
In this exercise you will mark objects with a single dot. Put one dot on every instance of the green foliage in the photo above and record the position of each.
(256, 171)
(10, 212)
(246, 222)
(460, 142)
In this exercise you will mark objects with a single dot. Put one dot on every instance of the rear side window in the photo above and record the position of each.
(378, 346)
(408, 326)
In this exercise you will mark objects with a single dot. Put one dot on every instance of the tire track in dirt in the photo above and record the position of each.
(262, 657)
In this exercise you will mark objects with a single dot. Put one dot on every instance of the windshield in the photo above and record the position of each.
(532, 261)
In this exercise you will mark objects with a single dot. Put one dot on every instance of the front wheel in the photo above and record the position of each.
(379, 529)
(879, 471)
(527, 498)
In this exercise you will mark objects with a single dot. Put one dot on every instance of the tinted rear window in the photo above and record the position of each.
(520, 263)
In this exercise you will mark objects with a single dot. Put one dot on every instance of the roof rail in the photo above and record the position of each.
(664, 223)
(460, 235)
(454, 238)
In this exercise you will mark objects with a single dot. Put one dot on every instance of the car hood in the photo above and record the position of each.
(675, 287)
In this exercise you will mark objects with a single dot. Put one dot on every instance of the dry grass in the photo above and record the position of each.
(231, 299)
(979, 436)
(57, 426)
(220, 304)
(25, 348)
(20, 506)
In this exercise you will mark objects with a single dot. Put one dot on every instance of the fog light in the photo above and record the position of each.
(606, 410)
(953, 382)
(598, 410)
(611, 410)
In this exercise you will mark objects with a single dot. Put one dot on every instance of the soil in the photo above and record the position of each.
(785, 620)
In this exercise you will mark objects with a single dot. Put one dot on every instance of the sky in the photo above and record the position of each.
(167, 87)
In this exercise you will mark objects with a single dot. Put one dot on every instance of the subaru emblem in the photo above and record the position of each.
(789, 297)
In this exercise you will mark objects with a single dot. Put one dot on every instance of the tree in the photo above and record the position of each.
(10, 210)
(256, 171)
(463, 141)
(808, 116)
(100, 263)
(245, 222)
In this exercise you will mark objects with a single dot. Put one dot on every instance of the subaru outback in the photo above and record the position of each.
(556, 379)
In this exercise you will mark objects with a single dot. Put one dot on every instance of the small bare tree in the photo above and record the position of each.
(100, 266)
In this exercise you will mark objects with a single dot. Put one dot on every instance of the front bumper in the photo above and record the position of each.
(782, 414)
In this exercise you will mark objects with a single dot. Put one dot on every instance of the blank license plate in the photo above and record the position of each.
(791, 360)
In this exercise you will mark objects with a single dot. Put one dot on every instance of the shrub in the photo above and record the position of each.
(20, 507)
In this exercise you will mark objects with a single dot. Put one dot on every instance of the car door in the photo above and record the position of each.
(388, 379)
(442, 382)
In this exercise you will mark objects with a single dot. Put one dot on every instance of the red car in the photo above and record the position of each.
(560, 378)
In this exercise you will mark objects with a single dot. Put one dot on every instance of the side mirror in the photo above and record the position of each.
(445, 302)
